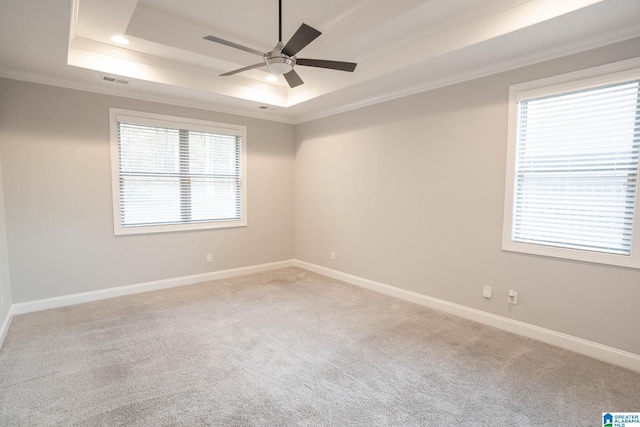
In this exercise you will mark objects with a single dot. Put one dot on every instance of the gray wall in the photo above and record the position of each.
(410, 193)
(54, 144)
(5, 282)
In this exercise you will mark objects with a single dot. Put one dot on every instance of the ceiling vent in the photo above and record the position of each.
(115, 80)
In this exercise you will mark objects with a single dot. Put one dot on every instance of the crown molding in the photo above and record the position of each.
(117, 91)
(595, 42)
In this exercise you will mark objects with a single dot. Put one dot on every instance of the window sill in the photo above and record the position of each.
(629, 261)
(171, 228)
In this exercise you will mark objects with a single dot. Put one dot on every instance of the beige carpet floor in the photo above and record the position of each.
(290, 348)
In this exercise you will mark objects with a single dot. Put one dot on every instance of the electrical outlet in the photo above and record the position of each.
(209, 257)
(333, 255)
(486, 292)
(513, 297)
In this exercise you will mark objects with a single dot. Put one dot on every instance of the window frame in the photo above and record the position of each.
(174, 122)
(584, 79)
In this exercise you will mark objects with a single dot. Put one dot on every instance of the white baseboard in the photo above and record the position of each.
(61, 301)
(558, 339)
(5, 326)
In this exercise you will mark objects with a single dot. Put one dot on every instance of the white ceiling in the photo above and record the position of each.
(401, 46)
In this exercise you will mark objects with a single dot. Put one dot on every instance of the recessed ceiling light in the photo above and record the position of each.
(119, 39)
(271, 78)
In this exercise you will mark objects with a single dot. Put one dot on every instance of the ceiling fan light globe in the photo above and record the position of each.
(280, 65)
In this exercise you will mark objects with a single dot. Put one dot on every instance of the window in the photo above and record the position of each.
(173, 174)
(572, 166)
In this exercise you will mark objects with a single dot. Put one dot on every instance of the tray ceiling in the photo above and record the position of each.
(401, 47)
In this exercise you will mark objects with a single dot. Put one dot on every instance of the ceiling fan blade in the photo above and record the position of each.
(232, 44)
(250, 67)
(323, 63)
(300, 39)
(293, 79)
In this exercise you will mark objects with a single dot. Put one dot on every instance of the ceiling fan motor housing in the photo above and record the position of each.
(277, 62)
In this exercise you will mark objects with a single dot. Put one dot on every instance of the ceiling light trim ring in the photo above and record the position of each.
(281, 64)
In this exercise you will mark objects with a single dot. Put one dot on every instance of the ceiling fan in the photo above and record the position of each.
(282, 58)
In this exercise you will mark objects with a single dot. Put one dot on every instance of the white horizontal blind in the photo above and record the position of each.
(576, 169)
(177, 176)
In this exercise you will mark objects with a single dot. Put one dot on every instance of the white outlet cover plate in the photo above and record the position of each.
(486, 292)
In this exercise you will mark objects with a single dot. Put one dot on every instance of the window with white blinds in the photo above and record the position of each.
(172, 174)
(574, 153)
